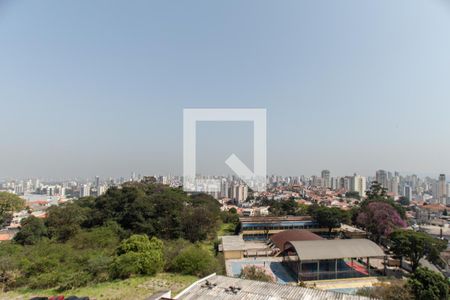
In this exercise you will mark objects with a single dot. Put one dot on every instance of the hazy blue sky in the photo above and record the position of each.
(98, 87)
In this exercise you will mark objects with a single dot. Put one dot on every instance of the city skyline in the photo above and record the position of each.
(351, 86)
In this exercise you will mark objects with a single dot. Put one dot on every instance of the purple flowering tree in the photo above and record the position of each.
(380, 219)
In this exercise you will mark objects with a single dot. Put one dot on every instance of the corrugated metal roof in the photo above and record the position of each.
(219, 289)
(336, 249)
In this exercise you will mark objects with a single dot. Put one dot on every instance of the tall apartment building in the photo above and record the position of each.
(442, 192)
(85, 190)
(326, 180)
(239, 193)
(407, 192)
(393, 185)
(381, 177)
(358, 184)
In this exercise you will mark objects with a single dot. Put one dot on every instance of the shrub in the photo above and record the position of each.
(138, 255)
(98, 267)
(9, 273)
(105, 238)
(74, 280)
(396, 290)
(126, 265)
(171, 250)
(256, 273)
(195, 261)
(44, 280)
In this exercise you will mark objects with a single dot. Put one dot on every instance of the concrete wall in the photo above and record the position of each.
(236, 254)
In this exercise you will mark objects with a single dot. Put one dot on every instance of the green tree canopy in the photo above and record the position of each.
(377, 193)
(9, 203)
(353, 195)
(328, 217)
(404, 201)
(138, 255)
(155, 210)
(288, 207)
(194, 260)
(428, 285)
(32, 230)
(415, 245)
(199, 223)
(64, 221)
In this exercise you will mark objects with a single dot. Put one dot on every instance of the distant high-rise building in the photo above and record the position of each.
(358, 184)
(335, 183)
(407, 192)
(85, 190)
(326, 180)
(393, 185)
(239, 193)
(97, 182)
(101, 190)
(62, 191)
(442, 189)
(224, 189)
(381, 177)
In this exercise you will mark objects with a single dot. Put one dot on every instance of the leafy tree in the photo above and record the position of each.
(377, 193)
(353, 195)
(104, 238)
(32, 230)
(196, 261)
(205, 200)
(302, 210)
(404, 201)
(328, 217)
(380, 219)
(98, 266)
(138, 255)
(256, 273)
(415, 245)
(229, 217)
(155, 210)
(9, 203)
(172, 248)
(428, 285)
(127, 265)
(65, 221)
(198, 223)
(288, 207)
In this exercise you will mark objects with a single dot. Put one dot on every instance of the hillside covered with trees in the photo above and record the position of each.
(136, 229)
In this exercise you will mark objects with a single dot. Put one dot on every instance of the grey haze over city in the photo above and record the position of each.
(104, 94)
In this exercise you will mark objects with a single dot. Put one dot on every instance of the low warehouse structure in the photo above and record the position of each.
(254, 228)
(332, 259)
(233, 247)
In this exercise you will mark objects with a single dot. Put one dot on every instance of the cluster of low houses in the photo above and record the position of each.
(36, 205)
